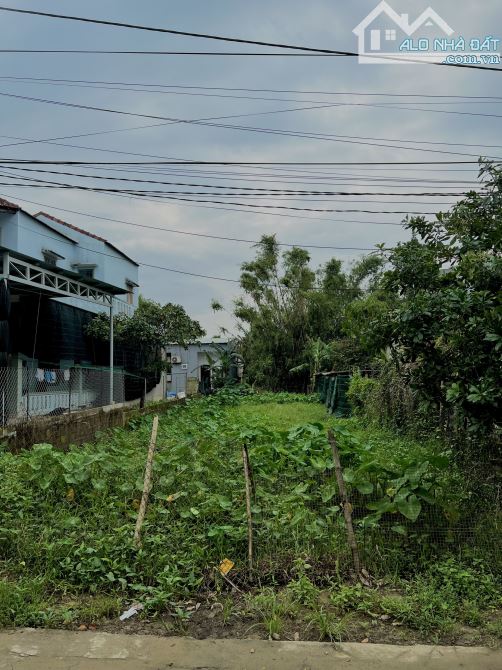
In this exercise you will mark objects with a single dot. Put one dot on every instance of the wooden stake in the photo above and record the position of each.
(227, 579)
(147, 484)
(245, 461)
(347, 507)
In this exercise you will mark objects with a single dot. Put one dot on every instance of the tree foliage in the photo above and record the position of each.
(445, 322)
(152, 327)
(290, 313)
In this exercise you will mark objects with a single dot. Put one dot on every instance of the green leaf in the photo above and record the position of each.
(410, 508)
(401, 530)
(402, 494)
(425, 495)
(441, 461)
(224, 502)
(364, 487)
(318, 463)
(382, 506)
(327, 492)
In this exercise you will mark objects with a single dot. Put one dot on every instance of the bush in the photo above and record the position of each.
(361, 395)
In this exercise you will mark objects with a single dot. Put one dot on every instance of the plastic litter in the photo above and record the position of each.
(134, 609)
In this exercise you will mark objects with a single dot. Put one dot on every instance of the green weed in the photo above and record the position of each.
(67, 520)
(270, 608)
(328, 625)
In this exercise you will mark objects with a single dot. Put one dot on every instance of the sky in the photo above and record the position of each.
(318, 23)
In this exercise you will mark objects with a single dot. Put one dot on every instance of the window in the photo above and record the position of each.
(130, 293)
(87, 273)
(51, 257)
(390, 35)
(85, 270)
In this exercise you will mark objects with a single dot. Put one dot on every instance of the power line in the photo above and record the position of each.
(124, 52)
(288, 178)
(315, 220)
(346, 139)
(162, 195)
(203, 235)
(262, 191)
(261, 90)
(28, 161)
(52, 141)
(183, 272)
(219, 38)
(254, 129)
(160, 88)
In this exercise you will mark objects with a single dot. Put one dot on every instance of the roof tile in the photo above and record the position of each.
(5, 204)
(70, 225)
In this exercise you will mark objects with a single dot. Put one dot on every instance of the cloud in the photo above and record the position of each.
(318, 23)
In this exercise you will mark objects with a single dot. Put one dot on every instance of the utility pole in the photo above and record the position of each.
(111, 350)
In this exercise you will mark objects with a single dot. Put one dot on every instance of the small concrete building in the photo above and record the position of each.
(193, 367)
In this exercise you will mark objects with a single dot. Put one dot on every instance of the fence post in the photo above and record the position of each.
(111, 350)
(347, 507)
(147, 483)
(69, 391)
(142, 400)
(245, 461)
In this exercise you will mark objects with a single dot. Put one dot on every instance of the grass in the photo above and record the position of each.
(279, 416)
(67, 521)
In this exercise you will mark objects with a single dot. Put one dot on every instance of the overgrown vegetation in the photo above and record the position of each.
(437, 315)
(67, 520)
(426, 315)
(290, 319)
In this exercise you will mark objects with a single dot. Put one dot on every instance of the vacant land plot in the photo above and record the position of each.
(67, 522)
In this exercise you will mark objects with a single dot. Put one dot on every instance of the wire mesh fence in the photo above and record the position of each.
(292, 509)
(298, 514)
(27, 392)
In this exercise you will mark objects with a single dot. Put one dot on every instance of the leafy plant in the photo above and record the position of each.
(445, 321)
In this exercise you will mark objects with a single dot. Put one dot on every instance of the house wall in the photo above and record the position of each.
(111, 266)
(22, 233)
(195, 355)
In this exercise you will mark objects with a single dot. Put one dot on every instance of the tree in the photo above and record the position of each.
(151, 328)
(445, 324)
(290, 313)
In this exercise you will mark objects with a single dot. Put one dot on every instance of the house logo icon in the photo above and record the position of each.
(383, 30)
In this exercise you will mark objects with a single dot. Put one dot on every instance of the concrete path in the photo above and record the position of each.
(30, 649)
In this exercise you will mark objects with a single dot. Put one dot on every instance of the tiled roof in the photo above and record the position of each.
(5, 204)
(69, 225)
(85, 232)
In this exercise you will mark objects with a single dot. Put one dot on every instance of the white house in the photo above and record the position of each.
(193, 367)
(54, 278)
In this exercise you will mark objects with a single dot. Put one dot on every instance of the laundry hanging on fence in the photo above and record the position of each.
(50, 376)
(66, 375)
(40, 375)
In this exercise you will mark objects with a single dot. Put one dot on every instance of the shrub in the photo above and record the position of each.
(361, 394)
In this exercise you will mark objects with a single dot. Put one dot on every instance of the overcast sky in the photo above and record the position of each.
(318, 23)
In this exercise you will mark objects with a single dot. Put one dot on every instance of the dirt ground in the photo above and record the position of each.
(215, 618)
